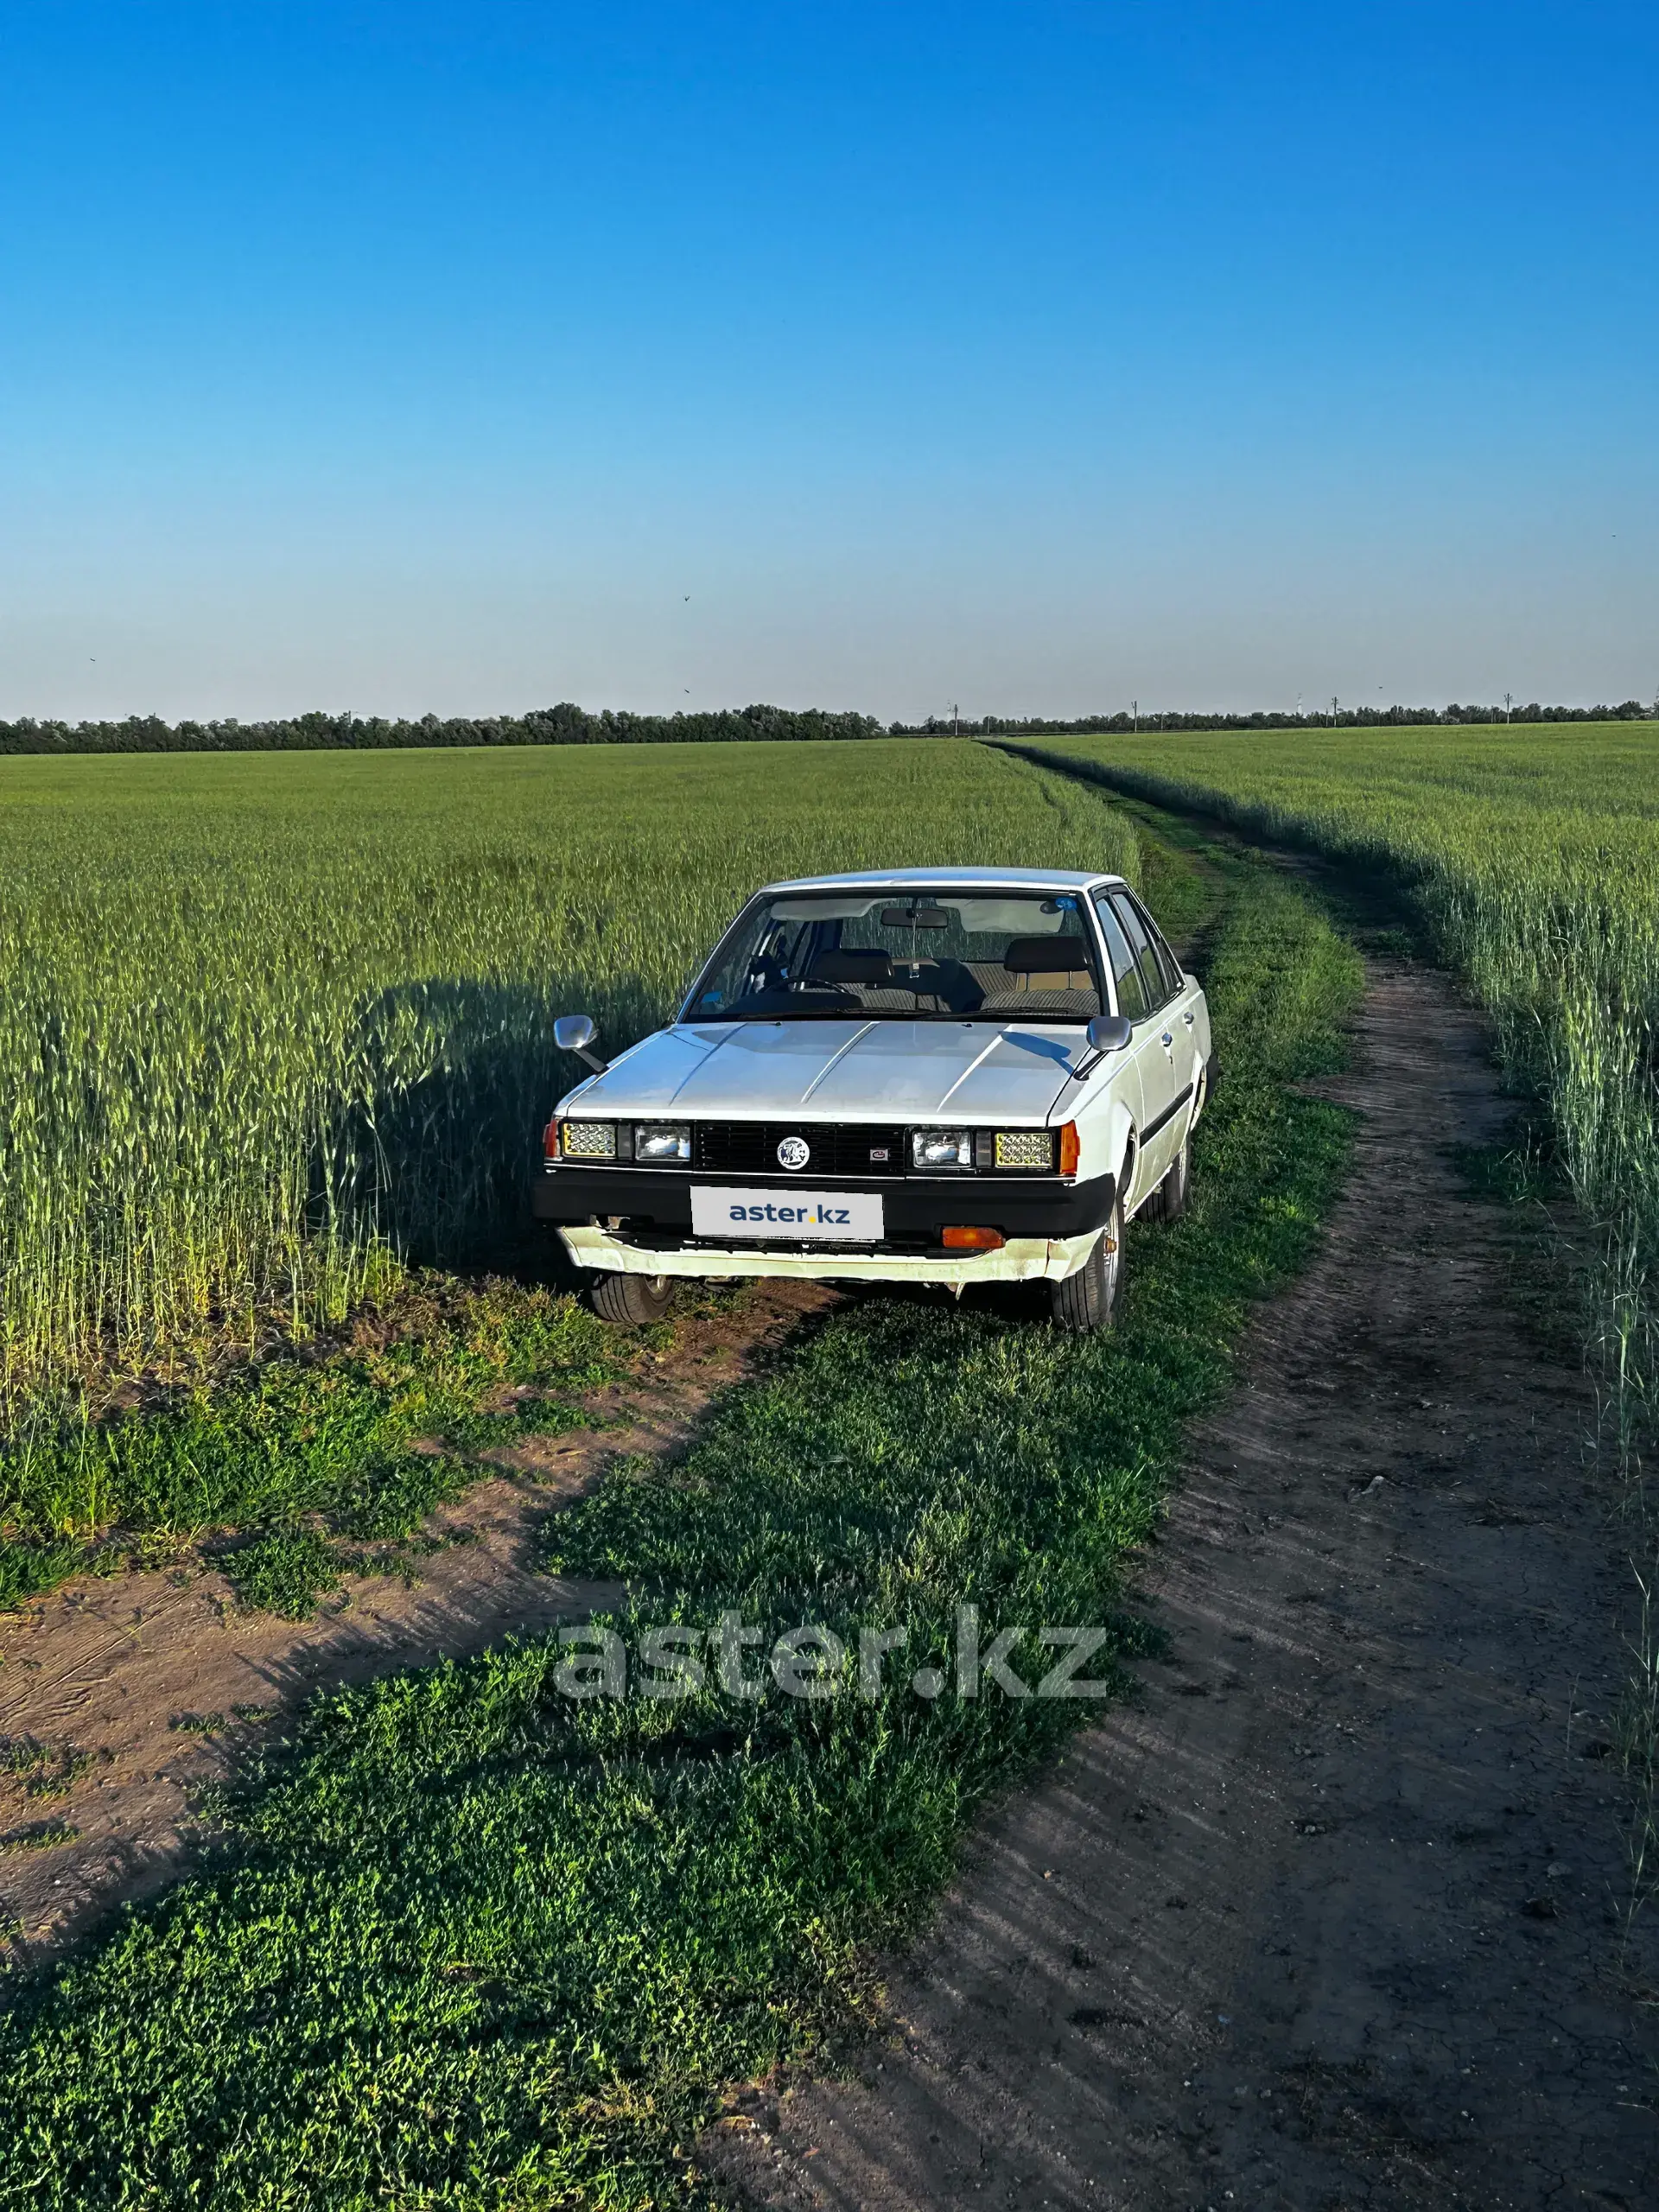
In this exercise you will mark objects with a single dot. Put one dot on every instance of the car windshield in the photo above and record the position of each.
(899, 954)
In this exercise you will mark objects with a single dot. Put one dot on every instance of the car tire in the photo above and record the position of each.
(1177, 1185)
(1088, 1299)
(632, 1301)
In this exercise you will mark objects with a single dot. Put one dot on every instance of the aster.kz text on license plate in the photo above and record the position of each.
(817, 1217)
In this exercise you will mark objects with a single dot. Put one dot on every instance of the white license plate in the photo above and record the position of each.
(817, 1217)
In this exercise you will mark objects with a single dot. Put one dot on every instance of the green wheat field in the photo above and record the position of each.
(268, 1022)
(1532, 855)
(275, 1049)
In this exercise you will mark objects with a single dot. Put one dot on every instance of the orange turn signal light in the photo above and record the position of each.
(550, 1140)
(1068, 1149)
(973, 1240)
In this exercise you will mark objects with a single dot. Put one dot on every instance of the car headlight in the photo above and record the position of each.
(587, 1139)
(1025, 1148)
(663, 1141)
(942, 1147)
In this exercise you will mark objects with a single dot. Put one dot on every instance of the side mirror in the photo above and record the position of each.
(1109, 1033)
(574, 1032)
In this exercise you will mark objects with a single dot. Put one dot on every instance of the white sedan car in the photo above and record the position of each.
(933, 1075)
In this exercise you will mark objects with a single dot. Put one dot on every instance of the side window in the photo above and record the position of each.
(1166, 960)
(1152, 975)
(1131, 993)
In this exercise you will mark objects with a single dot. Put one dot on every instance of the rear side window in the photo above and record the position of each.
(1146, 959)
(1171, 966)
(1126, 974)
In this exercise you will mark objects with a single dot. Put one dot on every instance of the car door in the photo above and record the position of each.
(1179, 1018)
(1161, 1088)
(1139, 1085)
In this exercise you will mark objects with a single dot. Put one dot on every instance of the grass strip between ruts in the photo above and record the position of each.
(473, 1944)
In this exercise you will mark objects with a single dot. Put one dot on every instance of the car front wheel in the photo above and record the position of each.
(1088, 1299)
(631, 1299)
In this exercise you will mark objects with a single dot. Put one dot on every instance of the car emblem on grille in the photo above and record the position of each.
(794, 1152)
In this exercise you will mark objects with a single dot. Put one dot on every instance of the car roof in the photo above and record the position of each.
(960, 879)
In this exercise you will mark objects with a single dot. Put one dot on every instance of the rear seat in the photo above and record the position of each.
(1005, 988)
(1030, 969)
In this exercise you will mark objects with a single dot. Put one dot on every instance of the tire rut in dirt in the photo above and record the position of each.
(1327, 1916)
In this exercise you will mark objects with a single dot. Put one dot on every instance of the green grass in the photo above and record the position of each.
(472, 1944)
(43, 1835)
(301, 1471)
(270, 1024)
(43, 1769)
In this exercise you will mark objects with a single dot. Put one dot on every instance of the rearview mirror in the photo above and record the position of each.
(574, 1032)
(1109, 1033)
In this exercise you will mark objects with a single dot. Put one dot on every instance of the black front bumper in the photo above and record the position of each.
(653, 1205)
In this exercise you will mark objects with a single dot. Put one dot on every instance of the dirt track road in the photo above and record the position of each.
(111, 1668)
(1327, 1918)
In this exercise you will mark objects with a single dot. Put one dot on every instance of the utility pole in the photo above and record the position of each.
(1506, 706)
(956, 719)
(1333, 710)
(1135, 711)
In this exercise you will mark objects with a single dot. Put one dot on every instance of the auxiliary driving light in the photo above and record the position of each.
(1025, 1148)
(972, 1240)
(587, 1139)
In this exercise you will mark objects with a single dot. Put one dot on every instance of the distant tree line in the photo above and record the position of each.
(572, 725)
(1343, 718)
(319, 733)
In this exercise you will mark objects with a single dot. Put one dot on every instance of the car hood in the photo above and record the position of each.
(841, 1070)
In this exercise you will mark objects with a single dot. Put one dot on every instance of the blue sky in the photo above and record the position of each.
(1039, 357)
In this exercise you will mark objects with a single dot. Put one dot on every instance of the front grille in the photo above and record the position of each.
(836, 1148)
